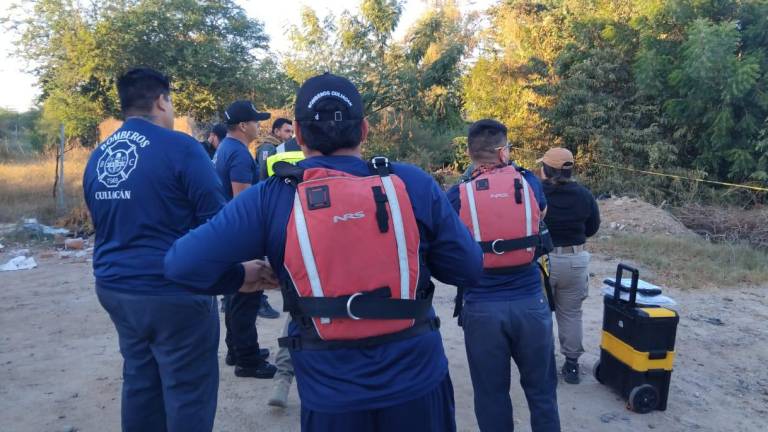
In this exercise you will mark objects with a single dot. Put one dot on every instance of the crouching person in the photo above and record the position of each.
(354, 245)
(505, 314)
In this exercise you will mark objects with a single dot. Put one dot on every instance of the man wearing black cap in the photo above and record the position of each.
(237, 172)
(215, 135)
(397, 382)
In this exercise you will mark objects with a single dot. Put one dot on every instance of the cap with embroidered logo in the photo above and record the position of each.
(328, 97)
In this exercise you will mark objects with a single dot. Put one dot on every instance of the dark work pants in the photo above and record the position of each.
(496, 331)
(434, 411)
(170, 366)
(240, 312)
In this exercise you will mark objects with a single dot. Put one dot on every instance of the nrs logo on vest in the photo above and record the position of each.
(348, 216)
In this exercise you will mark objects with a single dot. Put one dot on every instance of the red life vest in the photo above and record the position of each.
(352, 253)
(499, 207)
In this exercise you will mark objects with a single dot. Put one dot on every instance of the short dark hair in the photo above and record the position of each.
(220, 130)
(279, 122)
(140, 87)
(327, 136)
(484, 137)
(557, 176)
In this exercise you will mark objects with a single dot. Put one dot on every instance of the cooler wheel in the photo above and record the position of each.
(596, 372)
(643, 399)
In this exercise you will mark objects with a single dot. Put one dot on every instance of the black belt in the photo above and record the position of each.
(374, 304)
(500, 246)
(310, 341)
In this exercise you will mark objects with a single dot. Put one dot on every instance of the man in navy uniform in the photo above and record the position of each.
(237, 172)
(146, 186)
(396, 385)
(506, 316)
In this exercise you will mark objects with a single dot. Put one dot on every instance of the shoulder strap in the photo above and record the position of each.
(547, 286)
(289, 172)
(458, 305)
(379, 165)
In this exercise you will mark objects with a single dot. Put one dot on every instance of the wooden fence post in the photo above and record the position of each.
(60, 199)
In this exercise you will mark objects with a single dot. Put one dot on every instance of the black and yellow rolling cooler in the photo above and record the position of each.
(637, 348)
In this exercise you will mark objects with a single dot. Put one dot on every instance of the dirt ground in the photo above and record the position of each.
(625, 214)
(60, 369)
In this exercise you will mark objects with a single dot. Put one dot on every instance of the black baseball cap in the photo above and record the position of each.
(328, 97)
(243, 111)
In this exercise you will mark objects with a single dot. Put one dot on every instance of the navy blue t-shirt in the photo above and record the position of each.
(145, 187)
(254, 225)
(234, 164)
(522, 284)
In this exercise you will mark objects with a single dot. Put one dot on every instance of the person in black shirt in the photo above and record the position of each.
(573, 216)
(215, 135)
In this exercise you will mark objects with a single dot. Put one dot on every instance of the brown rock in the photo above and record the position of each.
(75, 243)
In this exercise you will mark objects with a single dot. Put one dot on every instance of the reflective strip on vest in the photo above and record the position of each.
(473, 210)
(527, 200)
(306, 251)
(397, 222)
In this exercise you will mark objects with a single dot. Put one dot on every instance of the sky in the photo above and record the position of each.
(18, 90)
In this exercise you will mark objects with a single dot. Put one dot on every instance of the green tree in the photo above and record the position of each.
(710, 79)
(411, 88)
(207, 47)
(676, 85)
(516, 54)
(20, 132)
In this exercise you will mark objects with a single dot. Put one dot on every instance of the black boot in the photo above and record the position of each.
(231, 360)
(264, 370)
(571, 371)
(267, 311)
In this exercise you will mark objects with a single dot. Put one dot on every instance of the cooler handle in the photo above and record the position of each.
(632, 289)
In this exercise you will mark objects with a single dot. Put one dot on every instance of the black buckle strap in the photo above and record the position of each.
(379, 165)
(290, 173)
(310, 341)
(500, 246)
(518, 191)
(293, 343)
(458, 304)
(547, 286)
(371, 305)
(382, 217)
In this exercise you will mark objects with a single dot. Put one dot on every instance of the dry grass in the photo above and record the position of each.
(26, 186)
(691, 261)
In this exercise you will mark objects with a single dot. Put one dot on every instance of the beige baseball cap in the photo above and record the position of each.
(557, 158)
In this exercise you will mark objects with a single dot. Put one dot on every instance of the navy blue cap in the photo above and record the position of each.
(328, 97)
(243, 111)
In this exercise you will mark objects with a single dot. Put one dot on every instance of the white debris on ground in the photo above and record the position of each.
(19, 263)
(32, 225)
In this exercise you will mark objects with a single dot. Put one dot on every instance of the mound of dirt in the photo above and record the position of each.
(635, 216)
